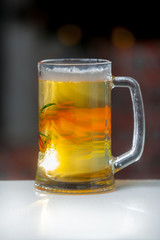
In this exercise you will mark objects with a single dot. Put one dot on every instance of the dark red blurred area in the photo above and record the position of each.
(35, 30)
(18, 163)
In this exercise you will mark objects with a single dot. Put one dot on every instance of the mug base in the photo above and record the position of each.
(87, 187)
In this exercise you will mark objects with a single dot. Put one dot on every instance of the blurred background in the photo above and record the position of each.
(32, 30)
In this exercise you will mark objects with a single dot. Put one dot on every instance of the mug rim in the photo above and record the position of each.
(74, 62)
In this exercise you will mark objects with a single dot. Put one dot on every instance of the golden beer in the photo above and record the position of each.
(74, 131)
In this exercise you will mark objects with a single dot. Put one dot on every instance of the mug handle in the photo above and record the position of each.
(136, 151)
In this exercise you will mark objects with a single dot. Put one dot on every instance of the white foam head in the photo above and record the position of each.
(74, 70)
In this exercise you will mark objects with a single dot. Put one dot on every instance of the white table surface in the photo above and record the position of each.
(130, 212)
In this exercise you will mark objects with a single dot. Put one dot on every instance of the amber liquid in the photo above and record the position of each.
(74, 131)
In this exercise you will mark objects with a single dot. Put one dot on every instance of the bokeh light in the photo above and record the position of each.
(122, 38)
(70, 34)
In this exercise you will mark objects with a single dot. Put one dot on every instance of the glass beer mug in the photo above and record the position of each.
(75, 126)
